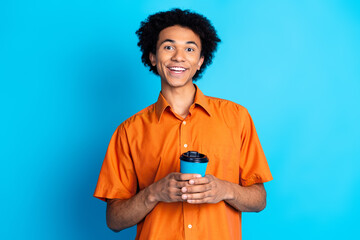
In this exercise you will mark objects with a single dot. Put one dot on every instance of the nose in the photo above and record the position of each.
(178, 56)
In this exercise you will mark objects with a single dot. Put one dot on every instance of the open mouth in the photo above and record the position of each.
(177, 69)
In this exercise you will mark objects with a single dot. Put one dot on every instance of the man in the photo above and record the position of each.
(140, 177)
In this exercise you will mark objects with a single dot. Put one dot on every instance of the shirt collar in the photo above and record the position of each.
(160, 106)
(200, 100)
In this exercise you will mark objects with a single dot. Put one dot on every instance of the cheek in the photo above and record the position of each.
(160, 68)
(197, 65)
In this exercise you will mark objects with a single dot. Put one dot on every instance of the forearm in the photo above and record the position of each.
(246, 199)
(121, 214)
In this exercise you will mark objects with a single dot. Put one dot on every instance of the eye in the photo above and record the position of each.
(190, 49)
(168, 48)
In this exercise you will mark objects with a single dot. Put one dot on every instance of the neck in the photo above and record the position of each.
(179, 98)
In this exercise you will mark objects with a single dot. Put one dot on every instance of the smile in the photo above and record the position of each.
(177, 69)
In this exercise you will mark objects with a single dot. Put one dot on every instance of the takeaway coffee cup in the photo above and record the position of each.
(193, 162)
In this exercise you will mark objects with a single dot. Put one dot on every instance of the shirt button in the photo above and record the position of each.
(189, 226)
(184, 122)
(185, 145)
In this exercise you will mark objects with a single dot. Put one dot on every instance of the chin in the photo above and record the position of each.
(178, 82)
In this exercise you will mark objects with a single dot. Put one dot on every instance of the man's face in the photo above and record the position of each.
(178, 56)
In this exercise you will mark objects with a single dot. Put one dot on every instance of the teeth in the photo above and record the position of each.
(177, 69)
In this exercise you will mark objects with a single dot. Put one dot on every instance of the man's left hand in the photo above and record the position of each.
(208, 189)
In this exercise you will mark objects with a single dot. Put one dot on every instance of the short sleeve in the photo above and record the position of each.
(117, 177)
(253, 165)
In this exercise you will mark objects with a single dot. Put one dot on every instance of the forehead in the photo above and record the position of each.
(179, 34)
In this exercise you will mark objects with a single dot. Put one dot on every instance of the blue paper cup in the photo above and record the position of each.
(193, 162)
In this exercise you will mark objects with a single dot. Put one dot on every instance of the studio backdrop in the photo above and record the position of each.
(70, 73)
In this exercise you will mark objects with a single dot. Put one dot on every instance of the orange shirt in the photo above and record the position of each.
(147, 147)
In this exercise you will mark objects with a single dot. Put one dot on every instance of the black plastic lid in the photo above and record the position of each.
(192, 156)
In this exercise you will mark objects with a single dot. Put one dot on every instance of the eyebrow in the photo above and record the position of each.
(173, 41)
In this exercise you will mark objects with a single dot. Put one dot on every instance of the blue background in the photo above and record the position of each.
(70, 73)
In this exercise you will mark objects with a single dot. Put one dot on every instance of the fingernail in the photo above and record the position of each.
(191, 182)
(198, 176)
(184, 196)
(184, 189)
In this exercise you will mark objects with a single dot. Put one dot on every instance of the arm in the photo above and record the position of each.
(248, 199)
(121, 214)
(210, 189)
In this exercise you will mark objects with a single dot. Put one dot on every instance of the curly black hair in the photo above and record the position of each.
(150, 29)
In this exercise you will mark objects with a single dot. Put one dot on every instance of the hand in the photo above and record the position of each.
(169, 188)
(208, 189)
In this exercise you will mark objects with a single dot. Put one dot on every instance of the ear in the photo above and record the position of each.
(201, 61)
(152, 58)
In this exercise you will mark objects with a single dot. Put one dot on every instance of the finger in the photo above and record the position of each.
(196, 188)
(179, 184)
(174, 198)
(174, 195)
(195, 196)
(178, 196)
(197, 181)
(176, 192)
(199, 201)
(186, 176)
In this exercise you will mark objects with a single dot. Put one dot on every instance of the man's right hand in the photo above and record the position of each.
(168, 189)
(124, 213)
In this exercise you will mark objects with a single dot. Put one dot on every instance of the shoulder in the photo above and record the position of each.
(230, 113)
(226, 105)
(144, 116)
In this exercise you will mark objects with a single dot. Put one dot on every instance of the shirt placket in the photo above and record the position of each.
(189, 218)
(184, 140)
(185, 143)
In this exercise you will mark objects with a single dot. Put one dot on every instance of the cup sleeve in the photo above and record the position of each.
(253, 164)
(117, 178)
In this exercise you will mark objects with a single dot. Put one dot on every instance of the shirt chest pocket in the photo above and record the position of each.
(223, 161)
